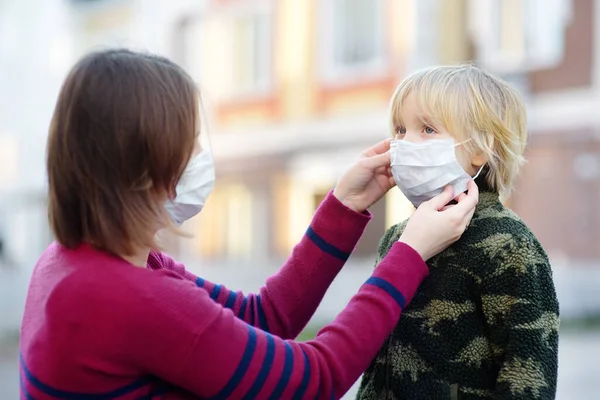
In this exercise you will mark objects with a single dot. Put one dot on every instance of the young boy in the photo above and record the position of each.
(484, 324)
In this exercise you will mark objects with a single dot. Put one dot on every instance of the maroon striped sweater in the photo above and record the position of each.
(96, 327)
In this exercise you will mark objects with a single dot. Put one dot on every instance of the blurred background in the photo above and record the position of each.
(292, 91)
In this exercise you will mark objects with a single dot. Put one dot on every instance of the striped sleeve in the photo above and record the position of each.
(289, 298)
(225, 358)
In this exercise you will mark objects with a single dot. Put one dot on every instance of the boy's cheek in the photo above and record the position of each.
(465, 161)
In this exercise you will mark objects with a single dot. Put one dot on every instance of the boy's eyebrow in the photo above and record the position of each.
(397, 119)
(426, 120)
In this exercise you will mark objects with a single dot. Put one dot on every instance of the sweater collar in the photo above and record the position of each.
(488, 197)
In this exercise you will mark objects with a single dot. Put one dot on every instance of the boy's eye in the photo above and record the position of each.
(429, 130)
(400, 130)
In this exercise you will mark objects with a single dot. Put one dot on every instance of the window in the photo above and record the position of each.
(355, 39)
(225, 225)
(516, 35)
(209, 228)
(228, 48)
(9, 160)
(103, 24)
(319, 196)
(185, 41)
(239, 222)
(252, 51)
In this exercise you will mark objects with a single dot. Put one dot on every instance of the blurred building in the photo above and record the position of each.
(34, 56)
(292, 92)
(296, 89)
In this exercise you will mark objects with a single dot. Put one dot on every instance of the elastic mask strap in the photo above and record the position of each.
(463, 142)
(479, 172)
(481, 168)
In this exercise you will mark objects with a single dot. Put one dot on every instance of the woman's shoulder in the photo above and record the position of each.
(90, 277)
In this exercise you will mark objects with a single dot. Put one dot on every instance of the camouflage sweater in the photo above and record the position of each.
(483, 325)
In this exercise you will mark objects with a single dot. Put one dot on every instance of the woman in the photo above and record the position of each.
(109, 317)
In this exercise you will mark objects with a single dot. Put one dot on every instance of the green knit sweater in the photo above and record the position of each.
(483, 325)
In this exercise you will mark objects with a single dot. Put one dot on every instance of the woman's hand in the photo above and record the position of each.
(367, 180)
(436, 225)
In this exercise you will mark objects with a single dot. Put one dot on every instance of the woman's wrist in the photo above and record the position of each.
(348, 202)
(414, 246)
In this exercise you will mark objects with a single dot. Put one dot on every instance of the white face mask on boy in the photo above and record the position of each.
(422, 170)
(193, 188)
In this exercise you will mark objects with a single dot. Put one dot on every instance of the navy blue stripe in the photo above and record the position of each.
(305, 379)
(241, 369)
(326, 247)
(288, 367)
(230, 299)
(318, 391)
(243, 308)
(214, 294)
(388, 288)
(261, 378)
(156, 392)
(199, 282)
(262, 319)
(252, 314)
(24, 389)
(50, 391)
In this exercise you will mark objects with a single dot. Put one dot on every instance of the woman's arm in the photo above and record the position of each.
(289, 298)
(187, 339)
(217, 356)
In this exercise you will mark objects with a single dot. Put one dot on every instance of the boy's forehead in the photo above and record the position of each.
(412, 110)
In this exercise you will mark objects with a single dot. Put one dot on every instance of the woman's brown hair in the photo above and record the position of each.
(122, 132)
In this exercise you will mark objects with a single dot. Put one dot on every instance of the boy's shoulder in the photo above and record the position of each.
(499, 229)
(391, 235)
(495, 233)
(499, 244)
(485, 223)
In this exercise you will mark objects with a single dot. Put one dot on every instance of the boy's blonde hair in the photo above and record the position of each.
(471, 104)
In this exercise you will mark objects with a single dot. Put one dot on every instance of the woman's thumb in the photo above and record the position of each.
(442, 199)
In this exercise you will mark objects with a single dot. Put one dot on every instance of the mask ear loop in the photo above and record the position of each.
(479, 172)
(480, 168)
(393, 154)
(463, 142)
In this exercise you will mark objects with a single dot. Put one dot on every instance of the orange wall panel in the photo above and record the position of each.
(250, 111)
(370, 94)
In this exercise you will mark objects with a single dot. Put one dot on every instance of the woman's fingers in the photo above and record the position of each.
(466, 202)
(376, 161)
(392, 181)
(379, 148)
(442, 199)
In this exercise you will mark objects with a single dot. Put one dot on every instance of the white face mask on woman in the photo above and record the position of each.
(193, 188)
(422, 170)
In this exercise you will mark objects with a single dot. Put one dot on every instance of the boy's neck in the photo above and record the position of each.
(482, 183)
